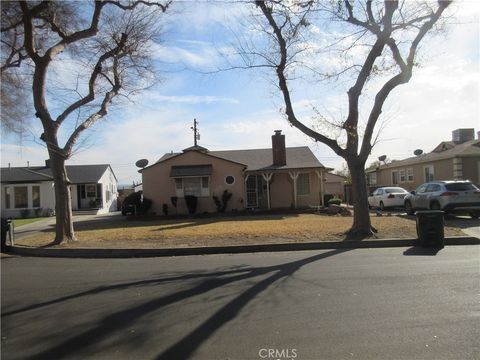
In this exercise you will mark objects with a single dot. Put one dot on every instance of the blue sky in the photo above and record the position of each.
(240, 109)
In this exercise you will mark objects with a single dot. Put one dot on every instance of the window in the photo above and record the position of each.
(35, 196)
(229, 180)
(372, 178)
(91, 190)
(421, 189)
(205, 183)
(196, 186)
(7, 197)
(401, 174)
(428, 172)
(432, 188)
(21, 197)
(303, 184)
(178, 184)
(394, 177)
(191, 186)
(410, 177)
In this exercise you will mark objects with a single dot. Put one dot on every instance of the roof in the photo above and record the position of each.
(445, 150)
(262, 159)
(77, 174)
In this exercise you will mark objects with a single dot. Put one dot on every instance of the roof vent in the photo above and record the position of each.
(460, 136)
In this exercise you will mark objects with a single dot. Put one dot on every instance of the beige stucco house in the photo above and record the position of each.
(280, 177)
(456, 159)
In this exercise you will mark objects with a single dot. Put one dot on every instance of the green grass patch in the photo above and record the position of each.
(20, 222)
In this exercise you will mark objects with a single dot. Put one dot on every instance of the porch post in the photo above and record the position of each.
(267, 177)
(245, 202)
(294, 175)
(322, 186)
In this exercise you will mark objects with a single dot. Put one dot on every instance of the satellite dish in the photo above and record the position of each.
(418, 152)
(382, 158)
(141, 163)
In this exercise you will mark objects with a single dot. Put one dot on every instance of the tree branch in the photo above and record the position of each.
(282, 82)
(68, 148)
(93, 78)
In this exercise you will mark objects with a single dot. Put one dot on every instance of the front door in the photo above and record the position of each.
(252, 192)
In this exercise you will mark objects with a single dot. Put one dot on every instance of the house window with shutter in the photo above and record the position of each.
(7, 197)
(196, 186)
(428, 173)
(36, 196)
(410, 176)
(303, 184)
(21, 197)
(91, 190)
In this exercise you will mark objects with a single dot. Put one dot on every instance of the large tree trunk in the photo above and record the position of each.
(361, 216)
(63, 201)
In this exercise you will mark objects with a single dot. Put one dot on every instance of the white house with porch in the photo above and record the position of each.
(29, 191)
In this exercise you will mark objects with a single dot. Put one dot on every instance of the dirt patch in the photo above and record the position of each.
(221, 231)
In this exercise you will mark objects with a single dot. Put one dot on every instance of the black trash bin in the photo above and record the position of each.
(430, 229)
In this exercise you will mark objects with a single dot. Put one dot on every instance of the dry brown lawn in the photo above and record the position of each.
(218, 231)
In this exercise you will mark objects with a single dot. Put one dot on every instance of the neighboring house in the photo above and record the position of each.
(450, 160)
(279, 177)
(335, 185)
(29, 191)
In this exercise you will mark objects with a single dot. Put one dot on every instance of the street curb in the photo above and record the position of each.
(131, 253)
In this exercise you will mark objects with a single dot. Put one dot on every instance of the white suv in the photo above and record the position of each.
(459, 196)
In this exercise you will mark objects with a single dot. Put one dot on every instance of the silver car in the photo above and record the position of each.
(459, 196)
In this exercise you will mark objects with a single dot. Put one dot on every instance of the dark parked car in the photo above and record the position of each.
(452, 196)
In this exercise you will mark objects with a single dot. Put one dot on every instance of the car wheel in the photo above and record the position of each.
(434, 206)
(408, 207)
(474, 215)
(382, 206)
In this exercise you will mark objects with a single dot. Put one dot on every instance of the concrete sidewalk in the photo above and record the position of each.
(49, 223)
(135, 252)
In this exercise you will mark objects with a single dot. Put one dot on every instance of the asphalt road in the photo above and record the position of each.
(391, 303)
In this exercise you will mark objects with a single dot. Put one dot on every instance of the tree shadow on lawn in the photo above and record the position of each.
(94, 339)
(170, 223)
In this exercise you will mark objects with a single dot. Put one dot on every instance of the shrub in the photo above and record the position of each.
(327, 197)
(25, 213)
(192, 202)
(141, 203)
(334, 201)
(222, 204)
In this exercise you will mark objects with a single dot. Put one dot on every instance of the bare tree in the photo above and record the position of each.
(104, 43)
(390, 34)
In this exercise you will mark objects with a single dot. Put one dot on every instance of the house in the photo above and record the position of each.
(450, 160)
(274, 178)
(335, 185)
(29, 191)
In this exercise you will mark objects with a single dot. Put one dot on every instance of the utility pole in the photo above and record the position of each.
(196, 133)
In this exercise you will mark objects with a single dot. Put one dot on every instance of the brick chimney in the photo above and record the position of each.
(278, 149)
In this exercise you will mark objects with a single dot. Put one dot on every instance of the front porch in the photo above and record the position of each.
(277, 189)
(88, 198)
